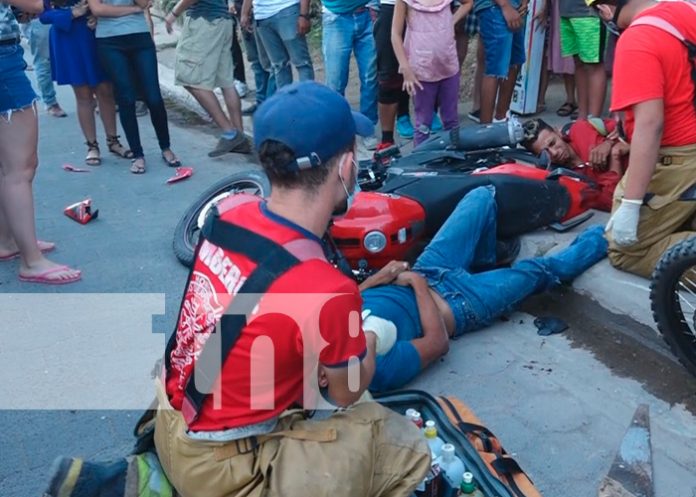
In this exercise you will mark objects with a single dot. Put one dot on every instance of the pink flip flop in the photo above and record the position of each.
(181, 174)
(15, 255)
(44, 277)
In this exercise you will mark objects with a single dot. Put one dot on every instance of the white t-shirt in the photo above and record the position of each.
(263, 9)
(387, 2)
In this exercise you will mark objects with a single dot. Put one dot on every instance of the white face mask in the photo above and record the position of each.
(350, 196)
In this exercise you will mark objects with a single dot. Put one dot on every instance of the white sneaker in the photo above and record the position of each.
(506, 118)
(370, 142)
(361, 152)
(241, 88)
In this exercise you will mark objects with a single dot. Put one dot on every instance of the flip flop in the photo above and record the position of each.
(45, 279)
(566, 109)
(181, 174)
(137, 169)
(15, 255)
(72, 169)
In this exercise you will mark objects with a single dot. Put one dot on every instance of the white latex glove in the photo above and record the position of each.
(623, 223)
(385, 331)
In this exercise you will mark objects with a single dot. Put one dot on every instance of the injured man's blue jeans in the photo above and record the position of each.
(468, 240)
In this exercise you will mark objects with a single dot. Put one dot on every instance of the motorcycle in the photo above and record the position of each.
(673, 301)
(405, 199)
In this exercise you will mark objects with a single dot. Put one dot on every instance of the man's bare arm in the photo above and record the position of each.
(645, 146)
(435, 341)
(29, 6)
(341, 390)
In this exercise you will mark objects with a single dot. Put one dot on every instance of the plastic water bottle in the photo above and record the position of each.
(451, 465)
(468, 486)
(415, 417)
(431, 437)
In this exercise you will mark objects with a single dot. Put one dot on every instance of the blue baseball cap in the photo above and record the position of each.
(311, 119)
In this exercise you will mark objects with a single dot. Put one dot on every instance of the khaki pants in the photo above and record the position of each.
(204, 54)
(369, 451)
(664, 220)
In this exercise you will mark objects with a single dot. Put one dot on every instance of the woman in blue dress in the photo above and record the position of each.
(74, 62)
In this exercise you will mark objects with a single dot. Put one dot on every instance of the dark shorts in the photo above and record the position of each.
(387, 64)
(16, 92)
(469, 25)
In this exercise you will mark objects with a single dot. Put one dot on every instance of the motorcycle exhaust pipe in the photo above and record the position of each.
(485, 136)
(478, 137)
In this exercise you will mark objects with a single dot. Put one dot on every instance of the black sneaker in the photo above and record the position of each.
(59, 484)
(475, 115)
(240, 144)
(249, 111)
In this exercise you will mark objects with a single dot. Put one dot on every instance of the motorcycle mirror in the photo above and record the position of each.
(545, 159)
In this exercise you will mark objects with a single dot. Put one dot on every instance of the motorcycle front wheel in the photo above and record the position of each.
(673, 301)
(188, 230)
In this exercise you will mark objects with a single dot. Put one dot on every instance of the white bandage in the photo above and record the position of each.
(385, 331)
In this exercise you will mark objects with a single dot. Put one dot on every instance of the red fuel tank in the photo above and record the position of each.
(378, 228)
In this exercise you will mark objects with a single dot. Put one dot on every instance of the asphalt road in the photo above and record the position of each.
(560, 404)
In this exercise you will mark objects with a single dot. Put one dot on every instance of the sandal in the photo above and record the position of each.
(93, 156)
(138, 165)
(115, 147)
(566, 109)
(49, 277)
(173, 162)
(44, 247)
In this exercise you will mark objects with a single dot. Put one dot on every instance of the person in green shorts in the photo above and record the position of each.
(583, 36)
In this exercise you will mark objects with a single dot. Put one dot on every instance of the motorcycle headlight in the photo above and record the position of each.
(375, 242)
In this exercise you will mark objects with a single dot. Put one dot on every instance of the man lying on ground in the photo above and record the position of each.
(593, 149)
(441, 298)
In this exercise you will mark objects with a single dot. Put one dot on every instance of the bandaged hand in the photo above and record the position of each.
(384, 330)
(623, 223)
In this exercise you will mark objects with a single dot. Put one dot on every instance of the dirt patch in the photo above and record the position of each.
(628, 349)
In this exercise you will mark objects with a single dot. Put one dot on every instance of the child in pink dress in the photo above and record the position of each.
(428, 59)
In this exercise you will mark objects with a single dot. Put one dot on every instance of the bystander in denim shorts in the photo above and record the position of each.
(503, 48)
(16, 92)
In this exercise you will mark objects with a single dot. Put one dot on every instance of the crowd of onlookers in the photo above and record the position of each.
(405, 50)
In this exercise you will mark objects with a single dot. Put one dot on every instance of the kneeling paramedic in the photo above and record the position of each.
(653, 208)
(266, 322)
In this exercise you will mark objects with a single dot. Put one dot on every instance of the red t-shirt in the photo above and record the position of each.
(652, 64)
(583, 137)
(264, 372)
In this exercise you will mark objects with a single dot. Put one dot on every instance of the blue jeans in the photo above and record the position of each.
(37, 34)
(503, 48)
(131, 63)
(278, 35)
(16, 92)
(261, 65)
(344, 34)
(468, 239)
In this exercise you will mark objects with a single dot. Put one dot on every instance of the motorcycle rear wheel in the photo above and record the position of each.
(188, 229)
(673, 301)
